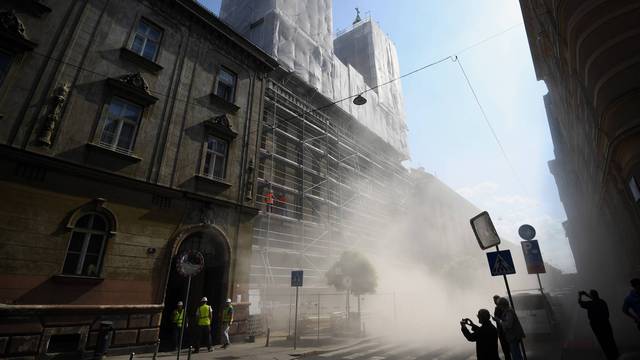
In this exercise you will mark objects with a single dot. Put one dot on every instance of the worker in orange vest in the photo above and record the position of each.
(268, 201)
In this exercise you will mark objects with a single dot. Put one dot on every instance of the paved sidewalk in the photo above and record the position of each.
(279, 349)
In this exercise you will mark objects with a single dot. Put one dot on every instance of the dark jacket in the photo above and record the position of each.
(511, 325)
(486, 339)
(597, 310)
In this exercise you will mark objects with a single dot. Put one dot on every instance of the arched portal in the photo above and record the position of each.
(212, 282)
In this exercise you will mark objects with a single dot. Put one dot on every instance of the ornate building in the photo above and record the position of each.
(587, 52)
(128, 134)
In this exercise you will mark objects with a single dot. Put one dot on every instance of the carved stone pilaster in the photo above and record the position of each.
(248, 190)
(60, 95)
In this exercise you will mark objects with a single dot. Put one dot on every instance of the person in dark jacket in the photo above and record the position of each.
(498, 314)
(598, 314)
(513, 331)
(485, 336)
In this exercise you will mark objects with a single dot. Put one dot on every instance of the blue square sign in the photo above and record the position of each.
(501, 263)
(296, 278)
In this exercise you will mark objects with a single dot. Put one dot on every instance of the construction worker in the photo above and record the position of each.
(268, 201)
(227, 320)
(177, 319)
(204, 314)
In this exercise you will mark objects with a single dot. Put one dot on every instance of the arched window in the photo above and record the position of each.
(86, 247)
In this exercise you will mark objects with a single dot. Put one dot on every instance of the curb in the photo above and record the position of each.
(341, 347)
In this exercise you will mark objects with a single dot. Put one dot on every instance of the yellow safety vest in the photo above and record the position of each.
(178, 317)
(227, 314)
(203, 315)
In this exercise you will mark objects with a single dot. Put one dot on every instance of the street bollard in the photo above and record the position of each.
(104, 339)
(268, 336)
(155, 350)
(189, 353)
(132, 355)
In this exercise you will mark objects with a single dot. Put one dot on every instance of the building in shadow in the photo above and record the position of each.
(128, 135)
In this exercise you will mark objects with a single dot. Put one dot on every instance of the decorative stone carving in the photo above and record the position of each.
(11, 24)
(135, 80)
(248, 190)
(60, 95)
(221, 126)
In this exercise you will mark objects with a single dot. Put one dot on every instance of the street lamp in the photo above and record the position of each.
(359, 100)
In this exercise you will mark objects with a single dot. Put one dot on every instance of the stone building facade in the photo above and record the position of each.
(128, 134)
(587, 54)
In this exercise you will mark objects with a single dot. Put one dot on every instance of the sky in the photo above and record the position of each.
(448, 135)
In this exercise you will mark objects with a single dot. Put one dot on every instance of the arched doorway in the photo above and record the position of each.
(212, 282)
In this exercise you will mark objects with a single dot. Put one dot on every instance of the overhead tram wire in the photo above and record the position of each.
(486, 120)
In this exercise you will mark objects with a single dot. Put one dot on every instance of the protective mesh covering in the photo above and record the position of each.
(299, 34)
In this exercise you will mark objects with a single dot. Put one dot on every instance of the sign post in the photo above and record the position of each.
(296, 281)
(189, 264)
(531, 251)
(500, 262)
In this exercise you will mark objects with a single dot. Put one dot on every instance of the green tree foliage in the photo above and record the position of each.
(354, 272)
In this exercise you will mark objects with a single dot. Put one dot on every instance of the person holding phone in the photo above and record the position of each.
(485, 336)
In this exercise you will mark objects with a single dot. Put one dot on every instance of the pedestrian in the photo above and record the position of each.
(598, 314)
(497, 314)
(485, 336)
(631, 306)
(268, 201)
(510, 324)
(204, 314)
(177, 319)
(227, 320)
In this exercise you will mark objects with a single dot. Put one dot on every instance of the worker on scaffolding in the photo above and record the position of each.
(281, 203)
(268, 201)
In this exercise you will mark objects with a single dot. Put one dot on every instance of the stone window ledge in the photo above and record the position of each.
(106, 150)
(216, 182)
(77, 279)
(224, 104)
(149, 65)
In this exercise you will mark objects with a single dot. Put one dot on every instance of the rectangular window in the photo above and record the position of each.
(226, 85)
(215, 158)
(120, 125)
(635, 189)
(5, 64)
(146, 40)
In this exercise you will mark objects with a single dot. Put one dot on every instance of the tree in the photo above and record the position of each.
(353, 272)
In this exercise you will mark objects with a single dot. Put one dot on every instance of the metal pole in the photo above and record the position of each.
(295, 324)
(539, 283)
(506, 284)
(318, 321)
(184, 317)
(289, 331)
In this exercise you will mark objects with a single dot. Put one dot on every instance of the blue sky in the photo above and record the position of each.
(447, 134)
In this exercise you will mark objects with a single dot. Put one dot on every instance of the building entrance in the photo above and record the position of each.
(212, 282)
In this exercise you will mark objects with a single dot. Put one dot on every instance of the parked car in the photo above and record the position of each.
(535, 312)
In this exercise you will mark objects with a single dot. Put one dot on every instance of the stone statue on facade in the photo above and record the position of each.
(60, 95)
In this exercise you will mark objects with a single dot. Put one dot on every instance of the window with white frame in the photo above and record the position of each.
(215, 157)
(146, 40)
(226, 84)
(86, 247)
(121, 120)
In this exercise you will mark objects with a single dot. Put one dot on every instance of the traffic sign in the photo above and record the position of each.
(533, 257)
(296, 278)
(501, 263)
(527, 232)
(484, 231)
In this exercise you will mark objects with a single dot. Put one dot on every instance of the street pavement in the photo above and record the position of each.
(377, 349)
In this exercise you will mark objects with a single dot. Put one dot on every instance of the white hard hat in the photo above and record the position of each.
(180, 303)
(204, 298)
(228, 300)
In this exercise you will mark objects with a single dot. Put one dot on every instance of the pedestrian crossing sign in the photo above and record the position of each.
(501, 263)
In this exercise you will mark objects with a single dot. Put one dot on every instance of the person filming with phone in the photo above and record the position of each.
(485, 336)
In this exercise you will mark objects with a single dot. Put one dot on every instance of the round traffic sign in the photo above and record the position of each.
(527, 232)
(190, 263)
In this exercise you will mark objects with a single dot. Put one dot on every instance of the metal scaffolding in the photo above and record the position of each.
(329, 191)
